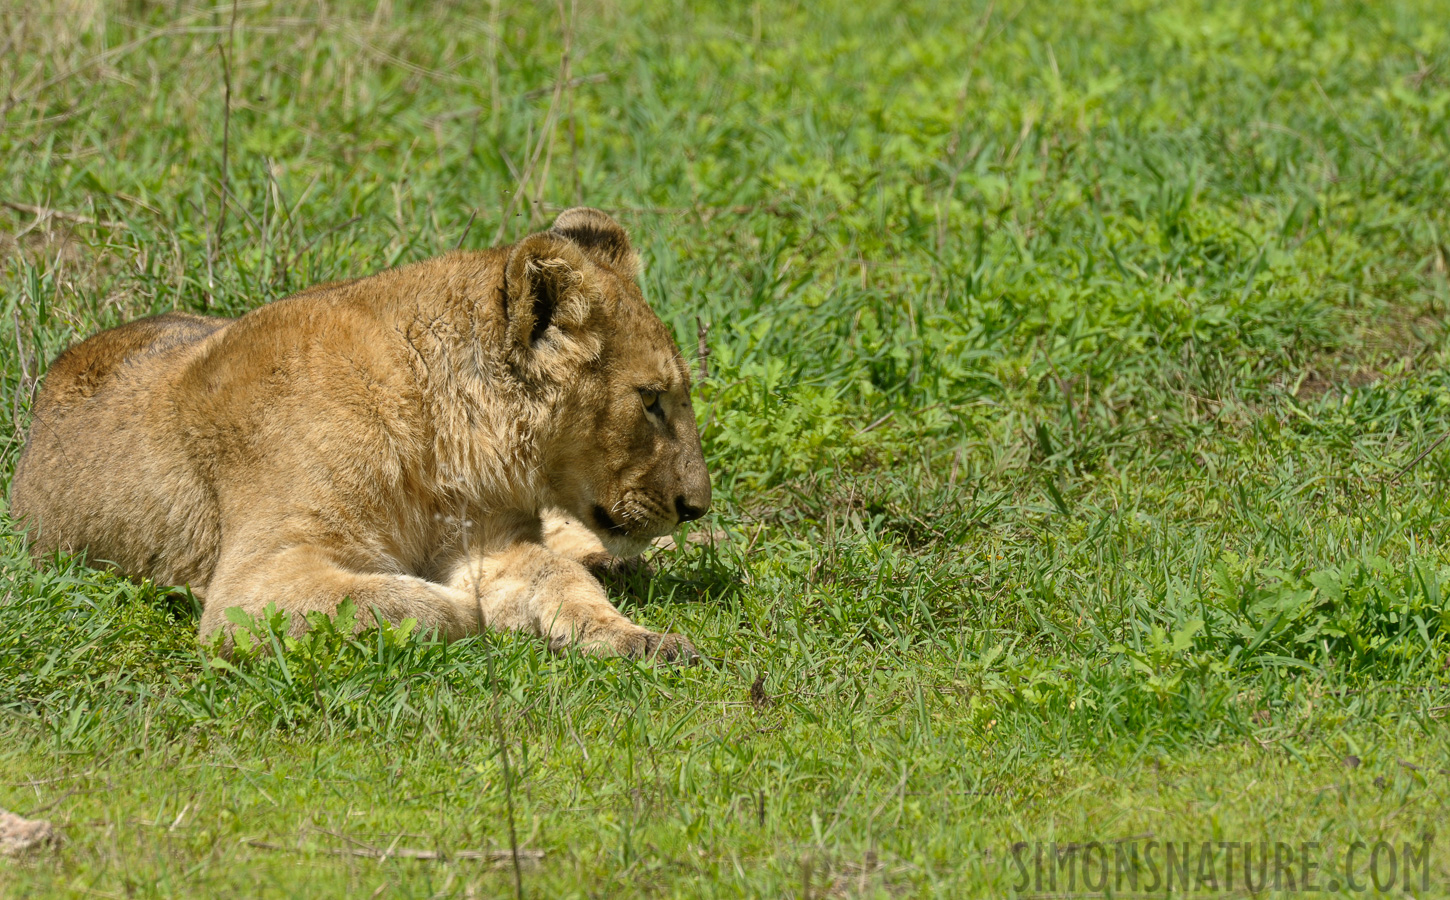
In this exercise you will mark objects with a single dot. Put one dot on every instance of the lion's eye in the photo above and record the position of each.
(651, 401)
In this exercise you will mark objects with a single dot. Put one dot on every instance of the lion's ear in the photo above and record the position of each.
(599, 236)
(544, 284)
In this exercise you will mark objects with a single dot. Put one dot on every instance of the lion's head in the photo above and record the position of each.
(622, 454)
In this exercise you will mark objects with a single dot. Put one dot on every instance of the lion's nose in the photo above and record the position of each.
(687, 512)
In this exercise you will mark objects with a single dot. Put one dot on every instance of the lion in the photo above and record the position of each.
(403, 440)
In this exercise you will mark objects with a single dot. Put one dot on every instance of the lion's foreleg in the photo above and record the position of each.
(529, 587)
(303, 580)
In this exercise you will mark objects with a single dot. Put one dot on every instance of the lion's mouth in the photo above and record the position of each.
(604, 520)
(619, 539)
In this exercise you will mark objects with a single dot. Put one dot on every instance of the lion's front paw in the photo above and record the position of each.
(672, 647)
(635, 643)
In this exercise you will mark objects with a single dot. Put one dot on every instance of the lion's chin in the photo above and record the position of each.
(623, 545)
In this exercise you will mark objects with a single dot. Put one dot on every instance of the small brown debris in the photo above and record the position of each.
(758, 697)
(19, 835)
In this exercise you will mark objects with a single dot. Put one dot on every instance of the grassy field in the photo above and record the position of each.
(1076, 378)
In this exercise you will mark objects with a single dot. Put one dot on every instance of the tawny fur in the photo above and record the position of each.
(393, 439)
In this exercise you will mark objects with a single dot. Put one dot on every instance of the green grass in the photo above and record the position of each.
(1070, 369)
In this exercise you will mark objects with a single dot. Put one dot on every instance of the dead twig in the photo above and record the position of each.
(1416, 461)
(466, 228)
(705, 213)
(1406, 764)
(221, 220)
(312, 243)
(495, 856)
(26, 93)
(546, 133)
(45, 212)
(566, 24)
(26, 384)
(702, 351)
(574, 82)
(54, 803)
(878, 423)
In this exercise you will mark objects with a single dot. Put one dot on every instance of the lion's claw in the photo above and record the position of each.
(675, 648)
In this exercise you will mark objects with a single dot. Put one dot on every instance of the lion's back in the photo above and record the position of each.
(98, 471)
(84, 368)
